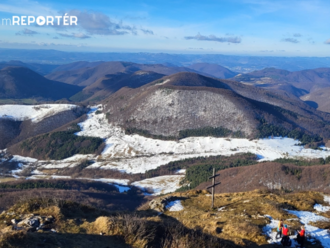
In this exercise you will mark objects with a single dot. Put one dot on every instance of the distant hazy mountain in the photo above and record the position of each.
(188, 101)
(214, 70)
(235, 63)
(297, 83)
(109, 84)
(77, 65)
(21, 82)
(87, 76)
(42, 69)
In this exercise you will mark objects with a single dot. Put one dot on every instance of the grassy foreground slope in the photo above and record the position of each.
(238, 224)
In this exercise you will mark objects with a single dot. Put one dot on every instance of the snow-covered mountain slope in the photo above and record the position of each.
(35, 113)
(137, 154)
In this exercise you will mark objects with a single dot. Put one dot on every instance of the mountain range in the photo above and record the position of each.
(241, 64)
(245, 101)
(21, 82)
(114, 135)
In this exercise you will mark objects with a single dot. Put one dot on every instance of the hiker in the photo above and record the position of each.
(279, 229)
(301, 236)
(285, 239)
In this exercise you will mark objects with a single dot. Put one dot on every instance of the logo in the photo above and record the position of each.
(41, 20)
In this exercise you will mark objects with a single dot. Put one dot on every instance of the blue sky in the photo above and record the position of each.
(239, 27)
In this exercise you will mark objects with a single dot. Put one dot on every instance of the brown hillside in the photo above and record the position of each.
(111, 83)
(21, 82)
(88, 76)
(214, 70)
(319, 99)
(189, 101)
(270, 175)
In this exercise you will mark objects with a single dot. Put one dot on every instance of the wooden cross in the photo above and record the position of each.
(213, 185)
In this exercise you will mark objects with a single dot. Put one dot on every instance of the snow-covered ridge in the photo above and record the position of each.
(35, 113)
(137, 154)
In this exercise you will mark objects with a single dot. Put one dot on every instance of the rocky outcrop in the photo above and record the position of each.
(31, 222)
(159, 204)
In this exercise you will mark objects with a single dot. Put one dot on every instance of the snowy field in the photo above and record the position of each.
(305, 217)
(35, 113)
(137, 154)
(160, 185)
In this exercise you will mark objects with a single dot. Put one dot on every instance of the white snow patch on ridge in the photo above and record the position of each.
(35, 113)
(321, 208)
(97, 125)
(160, 185)
(174, 206)
(18, 158)
(108, 180)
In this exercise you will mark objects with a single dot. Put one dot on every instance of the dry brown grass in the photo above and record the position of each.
(239, 223)
(244, 230)
(243, 214)
(321, 224)
(7, 179)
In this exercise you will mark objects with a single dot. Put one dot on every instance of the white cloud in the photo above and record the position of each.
(28, 32)
(74, 35)
(214, 38)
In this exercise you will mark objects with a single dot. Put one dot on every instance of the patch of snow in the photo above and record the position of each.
(321, 208)
(37, 172)
(57, 165)
(166, 81)
(138, 164)
(108, 180)
(174, 206)
(35, 113)
(19, 170)
(327, 199)
(18, 158)
(122, 188)
(78, 157)
(182, 171)
(97, 125)
(221, 209)
(161, 184)
(60, 177)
